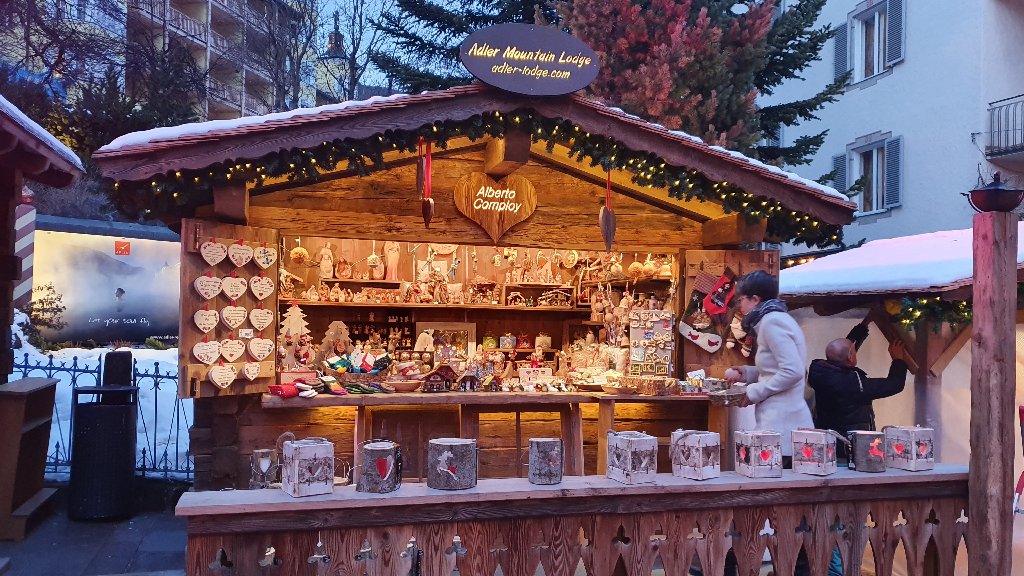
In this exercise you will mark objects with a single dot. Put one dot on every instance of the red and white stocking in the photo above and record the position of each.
(709, 342)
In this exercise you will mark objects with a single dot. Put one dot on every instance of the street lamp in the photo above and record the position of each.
(995, 196)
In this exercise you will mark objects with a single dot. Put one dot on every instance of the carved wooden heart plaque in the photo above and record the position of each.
(260, 348)
(496, 206)
(261, 286)
(222, 376)
(251, 370)
(208, 286)
(265, 257)
(240, 254)
(234, 287)
(231, 349)
(261, 318)
(233, 316)
(206, 320)
(206, 352)
(213, 252)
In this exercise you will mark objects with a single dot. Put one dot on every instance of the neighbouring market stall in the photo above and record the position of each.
(27, 152)
(449, 229)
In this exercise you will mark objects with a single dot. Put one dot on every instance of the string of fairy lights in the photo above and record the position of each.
(175, 193)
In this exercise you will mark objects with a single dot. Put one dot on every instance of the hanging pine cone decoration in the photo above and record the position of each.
(428, 211)
(606, 219)
(607, 222)
(423, 183)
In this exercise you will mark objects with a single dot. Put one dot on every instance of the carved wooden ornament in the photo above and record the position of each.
(496, 206)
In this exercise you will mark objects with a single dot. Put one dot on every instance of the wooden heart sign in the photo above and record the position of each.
(208, 286)
(260, 348)
(261, 286)
(251, 370)
(222, 375)
(240, 254)
(207, 352)
(213, 252)
(265, 257)
(495, 206)
(233, 316)
(261, 318)
(231, 349)
(206, 320)
(234, 287)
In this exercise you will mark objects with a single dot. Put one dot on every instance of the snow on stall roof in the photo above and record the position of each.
(200, 128)
(39, 132)
(776, 170)
(918, 263)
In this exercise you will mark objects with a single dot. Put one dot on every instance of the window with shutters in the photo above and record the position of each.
(875, 169)
(871, 41)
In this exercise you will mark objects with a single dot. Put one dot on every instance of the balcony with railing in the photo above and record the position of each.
(187, 25)
(225, 93)
(1006, 132)
(255, 106)
(223, 44)
(152, 9)
(235, 7)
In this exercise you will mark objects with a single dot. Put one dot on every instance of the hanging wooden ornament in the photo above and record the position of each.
(423, 181)
(607, 217)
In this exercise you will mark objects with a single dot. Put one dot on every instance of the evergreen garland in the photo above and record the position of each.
(175, 193)
(909, 312)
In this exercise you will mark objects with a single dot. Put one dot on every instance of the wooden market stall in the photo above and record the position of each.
(348, 179)
(27, 152)
(195, 177)
(935, 292)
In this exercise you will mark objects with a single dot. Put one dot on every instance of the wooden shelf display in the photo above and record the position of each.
(26, 409)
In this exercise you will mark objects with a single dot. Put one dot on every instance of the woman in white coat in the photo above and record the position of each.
(775, 384)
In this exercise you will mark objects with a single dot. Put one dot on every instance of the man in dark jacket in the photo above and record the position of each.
(843, 392)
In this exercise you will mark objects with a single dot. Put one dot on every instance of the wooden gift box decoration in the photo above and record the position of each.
(307, 467)
(868, 451)
(759, 453)
(696, 454)
(451, 463)
(909, 447)
(814, 451)
(632, 457)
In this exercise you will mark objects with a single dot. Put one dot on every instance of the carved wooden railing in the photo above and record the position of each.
(588, 525)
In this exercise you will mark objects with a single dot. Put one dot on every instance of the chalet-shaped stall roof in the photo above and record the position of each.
(300, 166)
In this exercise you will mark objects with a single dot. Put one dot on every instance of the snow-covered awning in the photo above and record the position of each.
(28, 147)
(924, 263)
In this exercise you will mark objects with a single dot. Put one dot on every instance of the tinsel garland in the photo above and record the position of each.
(175, 193)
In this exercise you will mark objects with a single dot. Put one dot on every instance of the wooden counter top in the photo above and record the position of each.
(263, 510)
(418, 398)
(465, 398)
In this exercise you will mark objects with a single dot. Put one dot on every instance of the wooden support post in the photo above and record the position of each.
(231, 203)
(993, 383)
(928, 345)
(505, 155)
(10, 195)
(732, 230)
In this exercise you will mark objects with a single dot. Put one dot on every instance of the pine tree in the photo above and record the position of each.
(689, 65)
(426, 36)
(703, 72)
(793, 45)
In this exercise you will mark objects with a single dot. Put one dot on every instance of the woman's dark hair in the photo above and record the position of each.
(758, 283)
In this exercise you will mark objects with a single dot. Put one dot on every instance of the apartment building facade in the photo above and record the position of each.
(935, 102)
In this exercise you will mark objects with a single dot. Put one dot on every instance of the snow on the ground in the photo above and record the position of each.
(158, 408)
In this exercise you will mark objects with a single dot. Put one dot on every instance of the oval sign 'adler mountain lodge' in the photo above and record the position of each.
(528, 59)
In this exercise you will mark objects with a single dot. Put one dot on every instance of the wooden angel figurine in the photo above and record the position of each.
(326, 261)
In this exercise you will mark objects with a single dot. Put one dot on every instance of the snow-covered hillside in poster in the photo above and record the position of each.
(163, 421)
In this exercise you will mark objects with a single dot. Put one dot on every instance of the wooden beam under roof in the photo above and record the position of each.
(621, 184)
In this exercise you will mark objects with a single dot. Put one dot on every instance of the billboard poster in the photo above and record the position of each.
(113, 288)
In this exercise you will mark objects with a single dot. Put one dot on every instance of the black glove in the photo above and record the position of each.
(858, 335)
